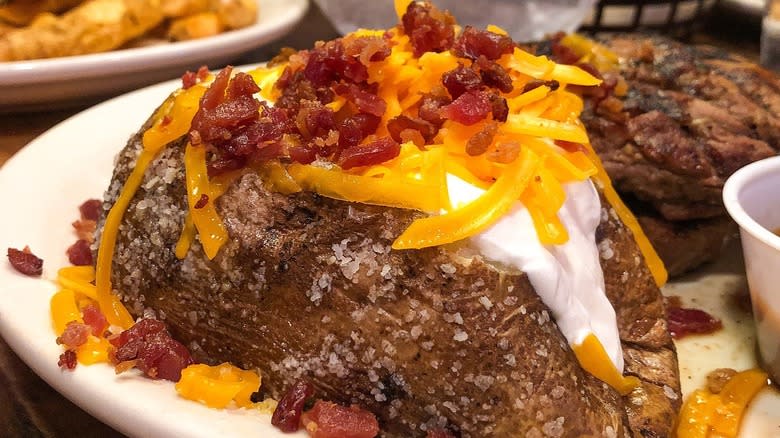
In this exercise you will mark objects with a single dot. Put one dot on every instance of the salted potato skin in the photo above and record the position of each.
(308, 287)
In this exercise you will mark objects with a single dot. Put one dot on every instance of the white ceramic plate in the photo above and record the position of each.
(41, 187)
(70, 81)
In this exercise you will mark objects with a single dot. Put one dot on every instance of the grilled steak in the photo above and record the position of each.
(691, 117)
(308, 287)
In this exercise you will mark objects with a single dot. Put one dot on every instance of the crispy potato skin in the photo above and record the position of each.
(308, 287)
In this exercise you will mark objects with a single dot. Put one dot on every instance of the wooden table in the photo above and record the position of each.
(31, 408)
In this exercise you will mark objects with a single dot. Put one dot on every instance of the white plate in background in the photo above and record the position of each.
(77, 160)
(73, 80)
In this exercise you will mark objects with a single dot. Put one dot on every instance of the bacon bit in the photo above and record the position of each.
(188, 79)
(499, 108)
(439, 433)
(366, 102)
(204, 199)
(79, 253)
(469, 108)
(354, 129)
(314, 119)
(473, 43)
(25, 261)
(85, 229)
(460, 80)
(67, 360)
(203, 73)
(157, 354)
(479, 143)
(75, 335)
(375, 152)
(95, 319)
(90, 210)
(493, 75)
(330, 420)
(684, 322)
(429, 29)
(718, 377)
(287, 415)
(398, 125)
(430, 108)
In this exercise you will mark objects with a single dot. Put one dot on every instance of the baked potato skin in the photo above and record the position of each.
(308, 287)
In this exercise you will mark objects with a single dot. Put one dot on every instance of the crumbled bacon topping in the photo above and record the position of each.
(188, 79)
(68, 360)
(685, 321)
(287, 415)
(204, 199)
(155, 353)
(473, 43)
(90, 210)
(75, 335)
(429, 29)
(95, 319)
(330, 420)
(25, 261)
(79, 253)
(469, 108)
(85, 229)
(303, 126)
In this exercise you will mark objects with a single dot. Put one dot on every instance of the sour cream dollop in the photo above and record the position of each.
(567, 277)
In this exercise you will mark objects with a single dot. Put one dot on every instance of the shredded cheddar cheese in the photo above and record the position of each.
(64, 310)
(210, 228)
(217, 386)
(594, 359)
(706, 414)
(477, 215)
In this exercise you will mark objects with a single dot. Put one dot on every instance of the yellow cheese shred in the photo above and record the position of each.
(173, 119)
(476, 215)
(112, 308)
(63, 310)
(218, 186)
(389, 191)
(210, 228)
(706, 414)
(594, 359)
(186, 238)
(217, 386)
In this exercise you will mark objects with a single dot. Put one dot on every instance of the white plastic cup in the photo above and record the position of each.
(752, 198)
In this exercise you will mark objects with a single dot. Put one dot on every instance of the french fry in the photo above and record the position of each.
(195, 26)
(183, 8)
(235, 14)
(94, 26)
(22, 12)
